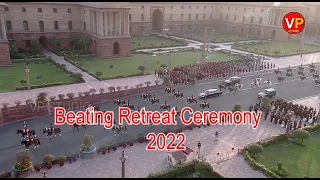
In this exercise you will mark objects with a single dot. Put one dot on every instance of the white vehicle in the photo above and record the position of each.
(270, 93)
(233, 80)
(210, 92)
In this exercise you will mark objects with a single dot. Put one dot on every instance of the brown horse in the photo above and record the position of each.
(27, 144)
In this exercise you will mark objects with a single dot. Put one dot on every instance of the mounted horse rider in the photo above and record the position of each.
(267, 82)
(145, 95)
(25, 128)
(154, 100)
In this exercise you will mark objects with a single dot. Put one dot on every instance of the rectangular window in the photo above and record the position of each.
(69, 10)
(40, 10)
(55, 10)
(23, 9)
(6, 9)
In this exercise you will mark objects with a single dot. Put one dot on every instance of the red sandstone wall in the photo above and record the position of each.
(4, 54)
(104, 47)
(25, 112)
(20, 38)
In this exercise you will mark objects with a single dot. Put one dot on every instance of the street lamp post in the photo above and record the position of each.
(123, 160)
(27, 70)
(199, 147)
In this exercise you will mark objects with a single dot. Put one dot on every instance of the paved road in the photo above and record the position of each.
(70, 141)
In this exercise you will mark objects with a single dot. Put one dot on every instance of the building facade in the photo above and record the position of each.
(109, 25)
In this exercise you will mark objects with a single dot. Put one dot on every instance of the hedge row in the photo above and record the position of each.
(257, 166)
(177, 171)
(275, 139)
(26, 56)
(61, 66)
(29, 60)
(19, 88)
(182, 171)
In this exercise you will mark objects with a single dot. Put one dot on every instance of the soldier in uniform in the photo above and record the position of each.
(25, 129)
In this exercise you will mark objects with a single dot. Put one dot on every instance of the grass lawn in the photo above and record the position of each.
(129, 65)
(286, 48)
(217, 37)
(10, 77)
(299, 161)
(144, 42)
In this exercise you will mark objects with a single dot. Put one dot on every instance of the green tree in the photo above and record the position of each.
(99, 74)
(141, 68)
(265, 104)
(236, 107)
(255, 149)
(276, 52)
(55, 42)
(204, 170)
(84, 42)
(300, 134)
(34, 46)
(13, 49)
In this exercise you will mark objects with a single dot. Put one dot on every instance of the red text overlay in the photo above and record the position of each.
(169, 141)
(197, 117)
(143, 117)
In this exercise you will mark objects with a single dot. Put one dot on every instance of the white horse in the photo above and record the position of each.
(238, 86)
(267, 83)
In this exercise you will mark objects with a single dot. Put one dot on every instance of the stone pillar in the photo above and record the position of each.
(126, 24)
(111, 23)
(91, 21)
(95, 22)
(100, 19)
(3, 27)
(4, 44)
(117, 23)
(106, 21)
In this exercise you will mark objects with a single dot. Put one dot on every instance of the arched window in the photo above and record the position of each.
(25, 25)
(142, 17)
(84, 26)
(8, 25)
(70, 25)
(56, 25)
(41, 26)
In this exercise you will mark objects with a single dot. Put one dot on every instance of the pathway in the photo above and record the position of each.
(60, 59)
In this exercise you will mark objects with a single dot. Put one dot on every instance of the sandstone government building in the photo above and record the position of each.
(109, 25)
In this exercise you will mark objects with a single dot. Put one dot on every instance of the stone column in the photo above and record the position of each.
(117, 23)
(111, 23)
(106, 20)
(91, 21)
(100, 19)
(95, 22)
(126, 23)
(3, 27)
